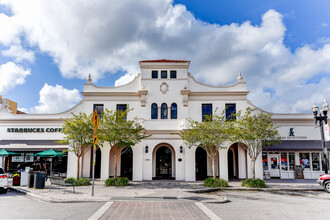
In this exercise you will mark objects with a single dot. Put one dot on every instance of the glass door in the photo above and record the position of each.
(274, 160)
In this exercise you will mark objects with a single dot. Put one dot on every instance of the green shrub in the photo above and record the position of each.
(83, 181)
(210, 182)
(258, 183)
(120, 181)
(110, 182)
(70, 180)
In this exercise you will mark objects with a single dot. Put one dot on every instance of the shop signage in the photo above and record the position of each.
(292, 136)
(17, 158)
(34, 130)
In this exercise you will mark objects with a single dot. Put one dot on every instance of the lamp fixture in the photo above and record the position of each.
(322, 118)
(147, 149)
(181, 149)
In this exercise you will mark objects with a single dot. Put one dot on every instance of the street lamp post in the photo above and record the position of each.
(320, 118)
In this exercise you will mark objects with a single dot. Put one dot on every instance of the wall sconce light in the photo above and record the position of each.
(181, 149)
(147, 149)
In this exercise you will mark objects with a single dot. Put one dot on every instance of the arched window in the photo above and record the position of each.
(154, 111)
(164, 111)
(174, 111)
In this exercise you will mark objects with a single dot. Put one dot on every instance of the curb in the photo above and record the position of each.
(255, 189)
(46, 199)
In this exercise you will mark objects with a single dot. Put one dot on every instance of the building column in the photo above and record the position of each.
(137, 161)
(249, 169)
(147, 159)
(241, 162)
(259, 168)
(72, 165)
(223, 161)
(190, 162)
(105, 161)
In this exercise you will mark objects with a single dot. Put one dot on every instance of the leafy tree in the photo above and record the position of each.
(255, 131)
(210, 134)
(119, 132)
(78, 132)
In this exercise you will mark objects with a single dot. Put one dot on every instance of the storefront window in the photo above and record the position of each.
(304, 160)
(322, 168)
(264, 161)
(291, 161)
(284, 161)
(316, 161)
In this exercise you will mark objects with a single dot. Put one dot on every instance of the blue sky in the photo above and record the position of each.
(282, 47)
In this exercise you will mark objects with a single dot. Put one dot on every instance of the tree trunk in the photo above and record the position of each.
(116, 163)
(78, 167)
(213, 168)
(253, 161)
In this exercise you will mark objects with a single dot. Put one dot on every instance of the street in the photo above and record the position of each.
(266, 205)
(242, 205)
(18, 206)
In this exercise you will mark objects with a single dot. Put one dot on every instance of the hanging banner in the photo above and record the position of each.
(326, 132)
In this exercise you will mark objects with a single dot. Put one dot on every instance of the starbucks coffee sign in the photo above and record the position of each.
(33, 130)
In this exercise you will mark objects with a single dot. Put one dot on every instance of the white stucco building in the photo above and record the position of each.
(164, 97)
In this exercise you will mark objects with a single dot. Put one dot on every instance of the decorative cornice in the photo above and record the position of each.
(220, 93)
(33, 120)
(163, 67)
(110, 93)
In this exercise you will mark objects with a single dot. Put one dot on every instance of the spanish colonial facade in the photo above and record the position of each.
(163, 97)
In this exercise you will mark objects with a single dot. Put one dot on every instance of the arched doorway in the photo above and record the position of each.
(201, 163)
(237, 161)
(126, 164)
(230, 163)
(98, 163)
(163, 163)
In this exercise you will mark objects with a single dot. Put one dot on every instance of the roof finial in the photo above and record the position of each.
(89, 80)
(240, 77)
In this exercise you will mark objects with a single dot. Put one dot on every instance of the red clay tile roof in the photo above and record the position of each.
(164, 61)
(20, 112)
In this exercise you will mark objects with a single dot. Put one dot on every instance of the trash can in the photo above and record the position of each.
(39, 180)
(31, 179)
(16, 179)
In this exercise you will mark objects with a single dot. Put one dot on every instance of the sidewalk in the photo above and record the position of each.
(160, 190)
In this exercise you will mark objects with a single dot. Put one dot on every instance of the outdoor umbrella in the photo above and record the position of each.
(50, 153)
(5, 153)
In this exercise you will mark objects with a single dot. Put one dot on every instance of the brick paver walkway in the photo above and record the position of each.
(154, 210)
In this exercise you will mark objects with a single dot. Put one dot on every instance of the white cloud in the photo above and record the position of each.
(55, 99)
(12, 75)
(23, 110)
(17, 52)
(105, 36)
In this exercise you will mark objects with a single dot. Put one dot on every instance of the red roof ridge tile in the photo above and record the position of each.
(164, 61)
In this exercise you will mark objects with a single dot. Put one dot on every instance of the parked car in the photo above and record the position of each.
(324, 181)
(3, 181)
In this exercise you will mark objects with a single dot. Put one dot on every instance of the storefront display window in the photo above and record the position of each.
(316, 161)
(264, 161)
(304, 160)
(322, 168)
(284, 161)
(291, 161)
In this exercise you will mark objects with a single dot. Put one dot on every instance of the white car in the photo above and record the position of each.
(3, 181)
